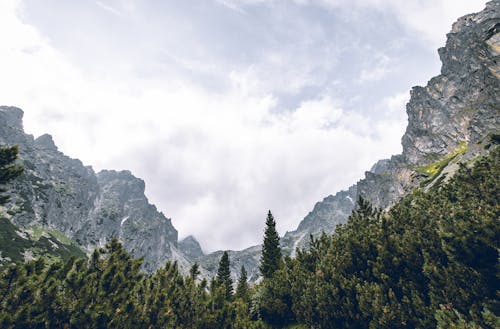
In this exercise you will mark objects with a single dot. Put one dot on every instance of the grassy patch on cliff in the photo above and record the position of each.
(433, 169)
(16, 244)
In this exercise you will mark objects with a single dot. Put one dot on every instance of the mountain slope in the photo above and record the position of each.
(450, 120)
(57, 192)
(453, 119)
(18, 245)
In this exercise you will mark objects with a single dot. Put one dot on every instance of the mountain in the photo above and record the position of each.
(451, 120)
(61, 194)
(19, 245)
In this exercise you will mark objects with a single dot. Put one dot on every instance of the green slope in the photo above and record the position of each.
(18, 245)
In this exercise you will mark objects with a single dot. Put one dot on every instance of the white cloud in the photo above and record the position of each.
(108, 8)
(430, 19)
(378, 70)
(215, 161)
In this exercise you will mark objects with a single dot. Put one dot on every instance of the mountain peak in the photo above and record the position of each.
(11, 117)
(191, 247)
(46, 141)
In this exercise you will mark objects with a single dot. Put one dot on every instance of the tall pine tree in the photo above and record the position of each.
(271, 253)
(224, 275)
(242, 288)
(8, 170)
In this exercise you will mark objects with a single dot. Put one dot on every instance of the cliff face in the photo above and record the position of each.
(57, 192)
(450, 120)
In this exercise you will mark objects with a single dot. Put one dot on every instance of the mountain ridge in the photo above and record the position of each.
(450, 120)
(58, 192)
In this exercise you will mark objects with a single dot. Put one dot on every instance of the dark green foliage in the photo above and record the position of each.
(13, 245)
(8, 169)
(194, 271)
(429, 262)
(224, 276)
(242, 287)
(432, 260)
(271, 253)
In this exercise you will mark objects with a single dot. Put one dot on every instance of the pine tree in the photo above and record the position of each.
(242, 288)
(224, 275)
(271, 253)
(194, 271)
(8, 170)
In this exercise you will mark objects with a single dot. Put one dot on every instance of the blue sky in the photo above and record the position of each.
(225, 108)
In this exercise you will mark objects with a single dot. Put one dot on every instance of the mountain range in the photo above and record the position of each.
(451, 120)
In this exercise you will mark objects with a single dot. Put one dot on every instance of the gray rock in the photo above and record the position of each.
(191, 248)
(57, 192)
(450, 120)
(458, 111)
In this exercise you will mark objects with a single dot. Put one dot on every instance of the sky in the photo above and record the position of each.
(226, 108)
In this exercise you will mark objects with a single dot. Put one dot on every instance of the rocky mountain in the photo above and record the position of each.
(59, 193)
(19, 244)
(451, 120)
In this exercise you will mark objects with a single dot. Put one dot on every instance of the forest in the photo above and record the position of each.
(431, 261)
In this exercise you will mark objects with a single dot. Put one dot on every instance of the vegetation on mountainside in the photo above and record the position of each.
(431, 261)
(18, 245)
(8, 169)
(270, 260)
(433, 169)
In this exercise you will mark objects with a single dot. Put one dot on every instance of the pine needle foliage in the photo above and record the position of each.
(8, 169)
(429, 262)
(270, 260)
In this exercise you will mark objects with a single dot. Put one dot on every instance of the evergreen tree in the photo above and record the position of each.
(224, 275)
(194, 271)
(8, 170)
(242, 288)
(271, 253)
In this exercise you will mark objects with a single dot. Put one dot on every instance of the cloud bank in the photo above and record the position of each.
(226, 108)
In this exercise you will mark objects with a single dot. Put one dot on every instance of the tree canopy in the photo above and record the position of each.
(431, 261)
(271, 253)
(8, 169)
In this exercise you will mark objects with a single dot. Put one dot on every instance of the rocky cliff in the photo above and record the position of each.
(451, 120)
(60, 193)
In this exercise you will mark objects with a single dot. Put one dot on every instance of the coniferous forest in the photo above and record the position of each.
(430, 261)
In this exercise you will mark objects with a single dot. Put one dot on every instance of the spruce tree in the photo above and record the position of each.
(194, 271)
(271, 253)
(242, 288)
(8, 170)
(224, 275)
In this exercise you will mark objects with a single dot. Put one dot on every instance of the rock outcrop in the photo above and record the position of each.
(450, 120)
(453, 119)
(57, 192)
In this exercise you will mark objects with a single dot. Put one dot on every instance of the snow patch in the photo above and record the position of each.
(296, 243)
(28, 256)
(124, 220)
(350, 199)
(22, 234)
(54, 245)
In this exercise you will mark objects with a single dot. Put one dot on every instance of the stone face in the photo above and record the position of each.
(460, 106)
(191, 248)
(450, 119)
(250, 258)
(57, 192)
